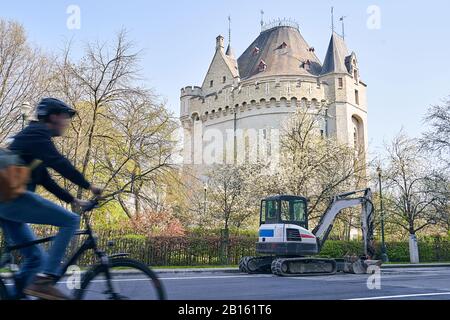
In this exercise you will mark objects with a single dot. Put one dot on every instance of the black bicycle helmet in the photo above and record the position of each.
(49, 106)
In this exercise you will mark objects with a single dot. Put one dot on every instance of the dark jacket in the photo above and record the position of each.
(35, 143)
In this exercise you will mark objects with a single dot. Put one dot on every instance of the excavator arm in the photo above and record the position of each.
(340, 202)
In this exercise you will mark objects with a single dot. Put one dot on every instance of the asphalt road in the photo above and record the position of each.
(396, 284)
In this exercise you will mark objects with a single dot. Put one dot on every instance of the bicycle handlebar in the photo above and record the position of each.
(92, 205)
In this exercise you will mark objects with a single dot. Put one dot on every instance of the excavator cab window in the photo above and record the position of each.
(294, 211)
(269, 212)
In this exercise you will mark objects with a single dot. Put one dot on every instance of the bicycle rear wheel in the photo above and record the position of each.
(131, 280)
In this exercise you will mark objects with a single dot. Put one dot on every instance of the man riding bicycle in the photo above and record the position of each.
(38, 271)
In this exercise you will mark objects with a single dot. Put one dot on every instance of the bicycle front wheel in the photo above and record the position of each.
(130, 280)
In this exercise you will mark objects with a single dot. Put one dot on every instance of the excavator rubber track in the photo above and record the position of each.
(256, 265)
(298, 267)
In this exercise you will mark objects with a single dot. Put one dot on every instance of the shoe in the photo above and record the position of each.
(16, 291)
(44, 288)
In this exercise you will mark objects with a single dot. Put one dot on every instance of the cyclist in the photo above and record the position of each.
(38, 271)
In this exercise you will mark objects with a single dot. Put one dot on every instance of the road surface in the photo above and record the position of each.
(396, 284)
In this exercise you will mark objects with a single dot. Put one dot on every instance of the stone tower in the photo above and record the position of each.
(346, 94)
(278, 73)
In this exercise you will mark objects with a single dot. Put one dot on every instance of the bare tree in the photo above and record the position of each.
(137, 153)
(415, 191)
(437, 140)
(123, 135)
(188, 195)
(25, 74)
(234, 193)
(316, 166)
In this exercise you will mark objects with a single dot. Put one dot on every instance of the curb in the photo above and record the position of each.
(162, 271)
(236, 270)
(416, 266)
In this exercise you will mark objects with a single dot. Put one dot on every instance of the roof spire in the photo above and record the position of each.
(229, 51)
(262, 20)
(343, 26)
(332, 19)
(229, 30)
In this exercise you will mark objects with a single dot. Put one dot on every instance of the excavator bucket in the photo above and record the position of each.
(360, 266)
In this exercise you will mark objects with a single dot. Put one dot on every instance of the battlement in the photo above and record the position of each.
(191, 91)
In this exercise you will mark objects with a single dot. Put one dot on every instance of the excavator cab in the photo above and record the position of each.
(284, 210)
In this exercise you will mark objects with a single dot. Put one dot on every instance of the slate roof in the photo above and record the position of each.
(231, 61)
(285, 52)
(335, 60)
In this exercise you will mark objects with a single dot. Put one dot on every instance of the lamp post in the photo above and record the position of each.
(384, 255)
(25, 110)
(205, 188)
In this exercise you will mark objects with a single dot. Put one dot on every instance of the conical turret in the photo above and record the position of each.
(335, 60)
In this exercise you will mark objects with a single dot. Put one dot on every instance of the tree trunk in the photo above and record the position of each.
(224, 238)
(413, 249)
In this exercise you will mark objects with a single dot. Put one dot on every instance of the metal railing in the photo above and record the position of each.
(280, 23)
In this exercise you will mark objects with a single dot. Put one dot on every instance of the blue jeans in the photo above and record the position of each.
(32, 208)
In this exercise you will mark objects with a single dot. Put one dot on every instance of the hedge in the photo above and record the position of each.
(434, 250)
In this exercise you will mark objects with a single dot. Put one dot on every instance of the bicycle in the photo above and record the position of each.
(98, 282)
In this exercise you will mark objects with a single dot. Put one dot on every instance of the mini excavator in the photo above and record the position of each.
(287, 248)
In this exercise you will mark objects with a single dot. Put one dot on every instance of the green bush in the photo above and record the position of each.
(338, 249)
(396, 251)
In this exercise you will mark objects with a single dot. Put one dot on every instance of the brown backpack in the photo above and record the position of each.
(14, 175)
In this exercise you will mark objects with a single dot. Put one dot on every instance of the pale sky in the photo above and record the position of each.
(405, 63)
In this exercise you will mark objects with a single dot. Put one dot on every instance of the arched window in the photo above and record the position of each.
(304, 103)
(294, 102)
(358, 134)
(195, 117)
